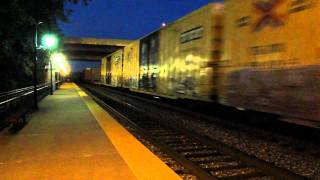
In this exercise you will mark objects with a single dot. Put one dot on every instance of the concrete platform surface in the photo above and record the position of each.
(64, 141)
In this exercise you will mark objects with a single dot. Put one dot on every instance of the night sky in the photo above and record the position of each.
(124, 19)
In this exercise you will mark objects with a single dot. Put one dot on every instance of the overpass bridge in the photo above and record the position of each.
(90, 49)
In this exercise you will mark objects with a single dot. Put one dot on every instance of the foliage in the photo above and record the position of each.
(17, 30)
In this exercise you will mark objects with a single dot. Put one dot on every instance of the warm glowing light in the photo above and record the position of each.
(60, 62)
(189, 58)
(240, 108)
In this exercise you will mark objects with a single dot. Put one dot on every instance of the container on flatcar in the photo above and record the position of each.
(271, 57)
(87, 73)
(114, 68)
(96, 75)
(91, 74)
(131, 65)
(188, 55)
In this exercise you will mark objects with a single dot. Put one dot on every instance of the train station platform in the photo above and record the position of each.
(72, 137)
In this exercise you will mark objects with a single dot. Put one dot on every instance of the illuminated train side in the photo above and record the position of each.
(254, 54)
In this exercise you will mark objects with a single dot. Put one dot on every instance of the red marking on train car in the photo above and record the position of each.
(268, 15)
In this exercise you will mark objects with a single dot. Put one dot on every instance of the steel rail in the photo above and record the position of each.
(196, 170)
(261, 165)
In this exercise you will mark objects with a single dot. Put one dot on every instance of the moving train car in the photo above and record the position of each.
(251, 54)
(131, 65)
(271, 58)
(189, 50)
(177, 61)
(112, 69)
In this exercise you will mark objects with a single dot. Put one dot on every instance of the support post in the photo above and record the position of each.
(35, 61)
(51, 80)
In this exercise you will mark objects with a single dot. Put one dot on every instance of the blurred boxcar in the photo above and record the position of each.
(271, 58)
(103, 70)
(131, 65)
(114, 70)
(189, 50)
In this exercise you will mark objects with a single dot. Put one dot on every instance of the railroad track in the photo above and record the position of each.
(198, 157)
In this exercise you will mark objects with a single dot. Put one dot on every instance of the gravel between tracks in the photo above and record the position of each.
(300, 157)
(280, 151)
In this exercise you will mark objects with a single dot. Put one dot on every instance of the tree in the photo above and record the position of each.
(17, 28)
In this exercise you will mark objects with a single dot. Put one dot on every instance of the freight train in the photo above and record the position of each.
(91, 75)
(260, 55)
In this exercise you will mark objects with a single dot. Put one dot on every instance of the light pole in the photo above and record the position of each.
(35, 60)
(51, 83)
(49, 41)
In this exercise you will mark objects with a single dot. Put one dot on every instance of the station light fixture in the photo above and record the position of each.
(49, 41)
(60, 62)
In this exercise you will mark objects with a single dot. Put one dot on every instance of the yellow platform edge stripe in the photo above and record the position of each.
(142, 162)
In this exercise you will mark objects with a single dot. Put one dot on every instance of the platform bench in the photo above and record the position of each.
(18, 117)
